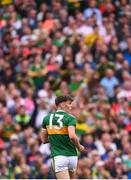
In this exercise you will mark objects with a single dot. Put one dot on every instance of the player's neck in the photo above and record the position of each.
(64, 110)
(61, 109)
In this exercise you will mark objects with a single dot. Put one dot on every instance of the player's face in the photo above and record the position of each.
(69, 105)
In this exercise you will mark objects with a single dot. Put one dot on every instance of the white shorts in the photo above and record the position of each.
(61, 163)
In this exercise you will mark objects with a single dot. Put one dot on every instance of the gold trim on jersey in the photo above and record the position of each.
(63, 130)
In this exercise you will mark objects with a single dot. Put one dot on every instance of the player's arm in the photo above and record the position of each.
(74, 139)
(44, 136)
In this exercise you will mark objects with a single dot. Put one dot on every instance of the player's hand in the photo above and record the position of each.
(81, 148)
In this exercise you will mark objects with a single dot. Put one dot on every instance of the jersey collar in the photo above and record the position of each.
(60, 110)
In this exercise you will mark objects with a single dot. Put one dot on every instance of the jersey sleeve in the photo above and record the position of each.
(71, 121)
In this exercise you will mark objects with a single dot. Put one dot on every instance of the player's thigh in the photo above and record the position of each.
(60, 163)
(72, 166)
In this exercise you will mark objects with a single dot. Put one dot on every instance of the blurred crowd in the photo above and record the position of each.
(59, 47)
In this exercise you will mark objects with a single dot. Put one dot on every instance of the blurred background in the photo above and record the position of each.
(59, 47)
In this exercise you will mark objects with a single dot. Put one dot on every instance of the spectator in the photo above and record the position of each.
(54, 48)
(109, 82)
(8, 127)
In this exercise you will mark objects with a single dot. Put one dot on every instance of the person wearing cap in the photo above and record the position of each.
(13, 143)
(99, 170)
(42, 107)
(118, 160)
(119, 168)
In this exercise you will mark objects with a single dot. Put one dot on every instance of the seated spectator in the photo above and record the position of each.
(52, 48)
(8, 127)
(109, 82)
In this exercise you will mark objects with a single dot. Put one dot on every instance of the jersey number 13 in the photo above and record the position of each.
(59, 121)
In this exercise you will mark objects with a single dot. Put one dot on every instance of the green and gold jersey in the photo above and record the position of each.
(57, 124)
